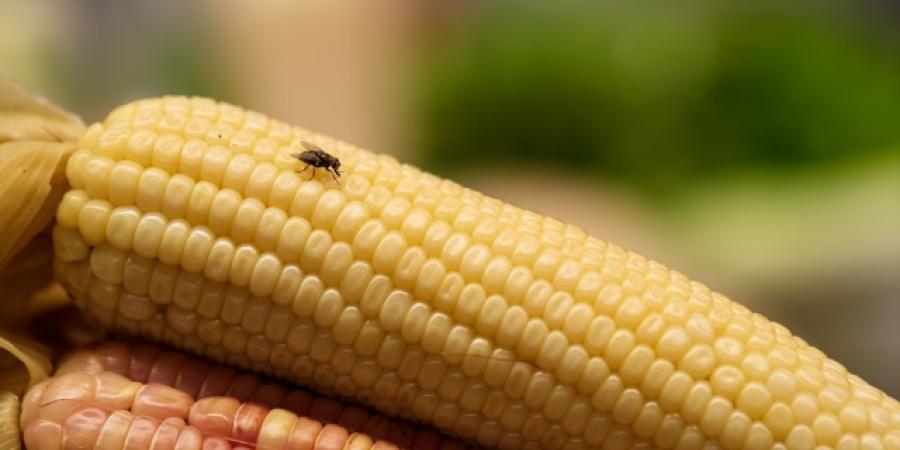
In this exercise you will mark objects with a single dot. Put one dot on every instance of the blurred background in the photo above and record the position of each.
(752, 145)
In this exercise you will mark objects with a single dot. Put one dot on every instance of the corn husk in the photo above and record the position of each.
(36, 139)
(9, 421)
(23, 362)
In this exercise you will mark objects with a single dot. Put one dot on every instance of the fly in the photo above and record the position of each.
(317, 158)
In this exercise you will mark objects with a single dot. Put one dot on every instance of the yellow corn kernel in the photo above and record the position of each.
(425, 299)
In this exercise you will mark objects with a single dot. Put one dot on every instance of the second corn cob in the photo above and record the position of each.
(123, 396)
(188, 224)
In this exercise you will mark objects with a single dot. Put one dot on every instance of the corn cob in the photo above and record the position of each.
(122, 396)
(187, 224)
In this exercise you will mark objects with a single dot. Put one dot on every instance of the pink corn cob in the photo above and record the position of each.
(122, 396)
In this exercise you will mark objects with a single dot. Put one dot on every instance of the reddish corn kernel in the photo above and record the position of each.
(297, 402)
(166, 435)
(31, 402)
(268, 395)
(427, 440)
(304, 434)
(215, 443)
(242, 387)
(190, 380)
(82, 428)
(276, 429)
(65, 395)
(166, 368)
(159, 402)
(247, 422)
(43, 434)
(402, 434)
(215, 415)
(359, 442)
(189, 439)
(332, 437)
(218, 379)
(141, 433)
(114, 391)
(115, 430)
(117, 357)
(81, 361)
(325, 409)
(353, 418)
(142, 359)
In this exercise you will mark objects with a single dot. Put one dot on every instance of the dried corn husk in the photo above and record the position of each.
(23, 362)
(25, 116)
(9, 423)
(36, 139)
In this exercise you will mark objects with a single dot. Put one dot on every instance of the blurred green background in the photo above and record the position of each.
(754, 146)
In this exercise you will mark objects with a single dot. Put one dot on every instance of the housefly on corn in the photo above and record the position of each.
(317, 158)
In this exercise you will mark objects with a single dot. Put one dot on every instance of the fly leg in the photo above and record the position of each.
(306, 168)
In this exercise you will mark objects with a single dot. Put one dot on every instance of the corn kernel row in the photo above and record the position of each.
(139, 397)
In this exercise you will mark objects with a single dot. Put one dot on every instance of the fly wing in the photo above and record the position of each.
(310, 146)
